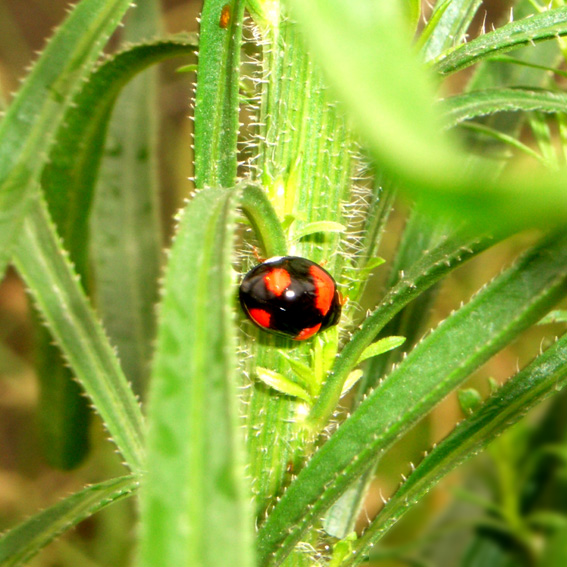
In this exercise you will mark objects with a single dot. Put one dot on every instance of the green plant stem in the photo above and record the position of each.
(304, 163)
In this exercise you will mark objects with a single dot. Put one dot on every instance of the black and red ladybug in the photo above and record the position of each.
(291, 296)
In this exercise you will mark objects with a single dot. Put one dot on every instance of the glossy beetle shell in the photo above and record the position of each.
(290, 296)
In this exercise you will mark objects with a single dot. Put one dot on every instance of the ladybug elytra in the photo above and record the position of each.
(290, 296)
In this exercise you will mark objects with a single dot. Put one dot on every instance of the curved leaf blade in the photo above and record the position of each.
(451, 27)
(446, 256)
(125, 226)
(68, 182)
(540, 27)
(381, 346)
(69, 178)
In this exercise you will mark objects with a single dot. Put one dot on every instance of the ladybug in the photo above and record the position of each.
(291, 296)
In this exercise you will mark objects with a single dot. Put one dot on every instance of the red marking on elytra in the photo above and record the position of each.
(307, 333)
(261, 317)
(277, 281)
(324, 287)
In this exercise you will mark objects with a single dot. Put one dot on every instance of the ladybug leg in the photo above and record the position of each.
(343, 299)
(257, 255)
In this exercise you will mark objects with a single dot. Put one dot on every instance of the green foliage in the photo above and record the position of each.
(194, 439)
(437, 365)
(549, 24)
(216, 97)
(127, 248)
(248, 457)
(68, 183)
(23, 542)
(481, 103)
(27, 131)
(62, 302)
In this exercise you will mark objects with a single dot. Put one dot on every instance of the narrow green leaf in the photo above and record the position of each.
(492, 73)
(196, 508)
(540, 27)
(432, 24)
(507, 139)
(264, 220)
(481, 103)
(441, 362)
(527, 64)
(421, 234)
(125, 225)
(374, 263)
(303, 372)
(21, 543)
(27, 131)
(282, 384)
(381, 346)
(68, 181)
(424, 273)
(187, 69)
(61, 301)
(69, 178)
(216, 99)
(452, 26)
(412, 9)
(556, 316)
(351, 380)
(544, 377)
(319, 226)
